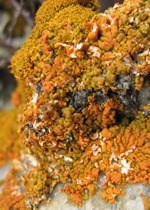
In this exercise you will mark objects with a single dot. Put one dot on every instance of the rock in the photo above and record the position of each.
(80, 103)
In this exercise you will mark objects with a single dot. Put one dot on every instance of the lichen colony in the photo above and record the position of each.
(83, 103)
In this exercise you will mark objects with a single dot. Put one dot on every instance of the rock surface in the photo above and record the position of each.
(80, 105)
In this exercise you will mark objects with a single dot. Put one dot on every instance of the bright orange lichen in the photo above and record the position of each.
(146, 202)
(80, 100)
(12, 197)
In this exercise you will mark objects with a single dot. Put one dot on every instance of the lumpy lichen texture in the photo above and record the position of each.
(83, 102)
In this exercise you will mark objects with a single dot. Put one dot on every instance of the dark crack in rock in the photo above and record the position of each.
(79, 99)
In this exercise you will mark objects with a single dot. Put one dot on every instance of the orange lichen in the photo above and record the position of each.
(12, 197)
(80, 100)
(9, 138)
(110, 194)
(146, 202)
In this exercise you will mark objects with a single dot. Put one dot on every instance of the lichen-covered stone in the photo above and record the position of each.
(10, 143)
(81, 80)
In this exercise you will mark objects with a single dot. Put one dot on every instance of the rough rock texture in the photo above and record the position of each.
(83, 103)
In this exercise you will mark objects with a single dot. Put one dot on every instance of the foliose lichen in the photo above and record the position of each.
(81, 80)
